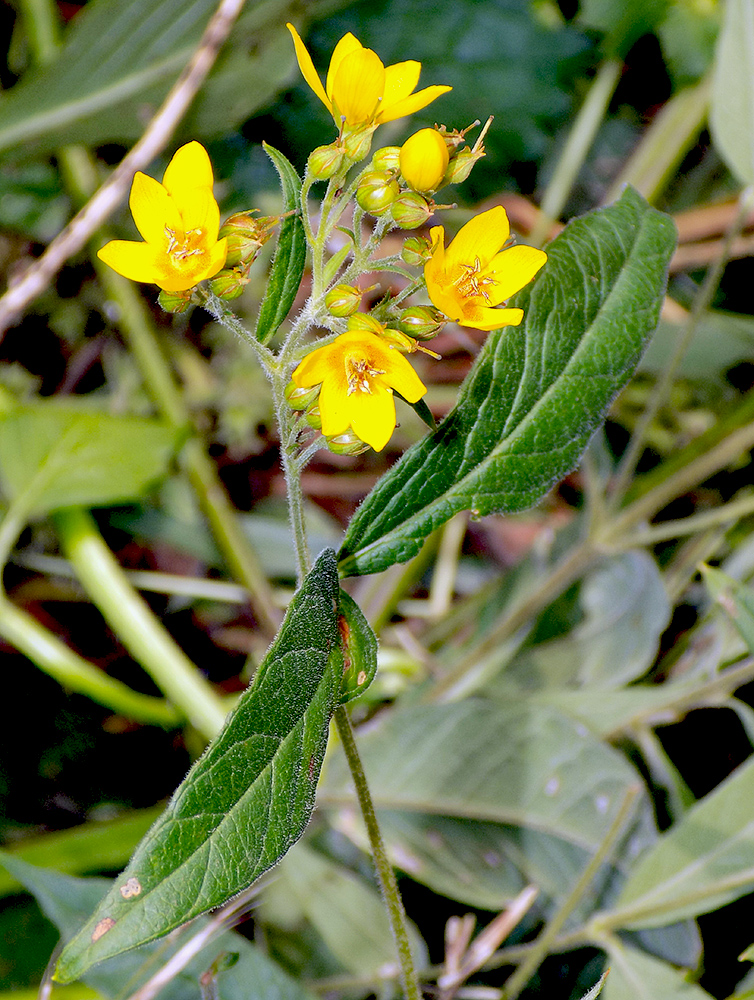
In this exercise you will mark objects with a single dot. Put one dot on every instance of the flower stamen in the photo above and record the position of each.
(469, 284)
(358, 374)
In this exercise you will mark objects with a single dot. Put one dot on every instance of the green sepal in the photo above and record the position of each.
(421, 409)
(245, 802)
(290, 255)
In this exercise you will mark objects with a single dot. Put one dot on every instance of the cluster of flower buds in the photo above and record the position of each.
(246, 236)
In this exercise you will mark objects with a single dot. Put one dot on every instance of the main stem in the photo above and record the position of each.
(385, 873)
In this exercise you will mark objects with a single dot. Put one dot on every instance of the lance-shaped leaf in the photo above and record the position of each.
(290, 255)
(245, 802)
(536, 392)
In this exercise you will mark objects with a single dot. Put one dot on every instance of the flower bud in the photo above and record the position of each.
(357, 142)
(410, 210)
(421, 322)
(326, 161)
(398, 340)
(175, 302)
(343, 300)
(346, 444)
(387, 158)
(365, 322)
(424, 160)
(460, 166)
(246, 236)
(416, 251)
(229, 284)
(313, 417)
(376, 191)
(300, 399)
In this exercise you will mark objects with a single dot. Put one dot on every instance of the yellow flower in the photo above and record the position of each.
(358, 372)
(424, 159)
(471, 276)
(360, 89)
(179, 220)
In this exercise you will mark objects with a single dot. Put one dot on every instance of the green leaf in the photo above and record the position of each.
(66, 455)
(290, 256)
(736, 599)
(421, 409)
(635, 975)
(359, 645)
(120, 57)
(536, 392)
(703, 862)
(520, 764)
(595, 991)
(68, 901)
(732, 108)
(347, 912)
(245, 802)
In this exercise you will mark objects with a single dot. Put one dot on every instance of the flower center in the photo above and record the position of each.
(182, 246)
(358, 373)
(471, 281)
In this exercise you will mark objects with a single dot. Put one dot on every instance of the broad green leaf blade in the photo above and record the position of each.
(118, 61)
(359, 645)
(701, 863)
(68, 901)
(66, 455)
(525, 765)
(290, 256)
(245, 802)
(732, 109)
(535, 394)
(634, 975)
(346, 911)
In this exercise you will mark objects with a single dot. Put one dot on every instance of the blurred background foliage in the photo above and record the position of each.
(633, 649)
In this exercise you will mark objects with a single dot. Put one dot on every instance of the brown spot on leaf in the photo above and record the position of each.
(105, 925)
(131, 888)
(362, 677)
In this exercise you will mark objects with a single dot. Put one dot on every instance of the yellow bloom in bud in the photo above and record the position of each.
(360, 89)
(179, 220)
(424, 159)
(473, 275)
(358, 372)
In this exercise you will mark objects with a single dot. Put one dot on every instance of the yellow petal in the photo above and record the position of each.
(409, 105)
(136, 261)
(348, 44)
(511, 270)
(372, 416)
(400, 80)
(189, 168)
(217, 256)
(358, 86)
(335, 408)
(480, 238)
(484, 318)
(153, 209)
(402, 377)
(199, 211)
(306, 66)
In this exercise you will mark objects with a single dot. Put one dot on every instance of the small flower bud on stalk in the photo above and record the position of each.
(387, 158)
(365, 323)
(230, 283)
(462, 160)
(406, 344)
(343, 300)
(326, 161)
(376, 191)
(424, 160)
(246, 237)
(175, 302)
(411, 210)
(300, 399)
(421, 322)
(357, 142)
(346, 444)
(416, 250)
(313, 417)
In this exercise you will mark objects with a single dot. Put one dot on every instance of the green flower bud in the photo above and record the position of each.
(246, 236)
(397, 339)
(410, 210)
(416, 251)
(343, 300)
(387, 158)
(300, 399)
(460, 166)
(175, 302)
(346, 444)
(326, 161)
(421, 322)
(229, 284)
(313, 417)
(357, 142)
(363, 321)
(376, 191)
